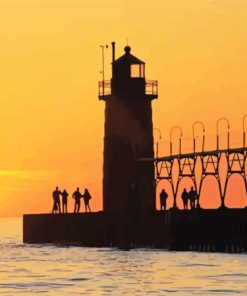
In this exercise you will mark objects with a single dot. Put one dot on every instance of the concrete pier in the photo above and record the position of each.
(222, 230)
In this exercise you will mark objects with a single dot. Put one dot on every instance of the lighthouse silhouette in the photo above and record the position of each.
(128, 176)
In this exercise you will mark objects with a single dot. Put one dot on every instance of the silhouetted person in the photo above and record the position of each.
(87, 196)
(77, 197)
(65, 200)
(56, 200)
(163, 198)
(192, 197)
(185, 197)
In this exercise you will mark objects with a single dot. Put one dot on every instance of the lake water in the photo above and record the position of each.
(53, 270)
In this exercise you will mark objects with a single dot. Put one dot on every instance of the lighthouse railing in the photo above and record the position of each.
(151, 87)
(104, 87)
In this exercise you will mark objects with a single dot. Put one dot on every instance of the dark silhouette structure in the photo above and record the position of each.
(87, 196)
(65, 200)
(209, 161)
(129, 218)
(56, 201)
(192, 197)
(128, 131)
(220, 230)
(77, 197)
(163, 198)
(185, 198)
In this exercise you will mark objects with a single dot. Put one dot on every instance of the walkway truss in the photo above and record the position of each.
(221, 164)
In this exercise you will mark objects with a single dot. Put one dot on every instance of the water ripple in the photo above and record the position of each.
(79, 279)
(62, 270)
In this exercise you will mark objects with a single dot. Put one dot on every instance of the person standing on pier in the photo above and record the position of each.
(192, 197)
(185, 197)
(64, 200)
(163, 198)
(77, 197)
(87, 196)
(56, 200)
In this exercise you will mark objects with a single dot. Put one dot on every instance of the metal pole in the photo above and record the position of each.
(228, 139)
(217, 133)
(203, 136)
(203, 142)
(103, 66)
(180, 139)
(244, 129)
(228, 132)
(157, 143)
(103, 69)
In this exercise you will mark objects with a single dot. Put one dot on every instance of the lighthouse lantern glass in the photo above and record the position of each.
(137, 71)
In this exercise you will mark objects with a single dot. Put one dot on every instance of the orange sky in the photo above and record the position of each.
(51, 120)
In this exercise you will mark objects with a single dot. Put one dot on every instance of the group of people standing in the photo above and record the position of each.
(189, 199)
(76, 196)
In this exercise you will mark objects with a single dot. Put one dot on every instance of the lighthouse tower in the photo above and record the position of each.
(128, 134)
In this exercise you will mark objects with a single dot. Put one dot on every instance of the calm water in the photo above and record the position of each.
(51, 270)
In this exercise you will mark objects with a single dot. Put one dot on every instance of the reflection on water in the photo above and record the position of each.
(53, 270)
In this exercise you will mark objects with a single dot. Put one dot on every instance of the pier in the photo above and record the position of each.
(221, 230)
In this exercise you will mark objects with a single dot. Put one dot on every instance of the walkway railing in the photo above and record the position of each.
(231, 160)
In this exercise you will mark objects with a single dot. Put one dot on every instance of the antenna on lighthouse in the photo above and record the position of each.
(103, 66)
(113, 51)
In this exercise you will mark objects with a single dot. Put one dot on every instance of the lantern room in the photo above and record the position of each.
(128, 66)
(128, 79)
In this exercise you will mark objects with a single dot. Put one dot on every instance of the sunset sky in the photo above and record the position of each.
(50, 61)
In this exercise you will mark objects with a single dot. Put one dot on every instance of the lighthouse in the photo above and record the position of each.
(128, 135)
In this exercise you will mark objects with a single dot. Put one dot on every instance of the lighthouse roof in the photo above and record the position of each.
(128, 58)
